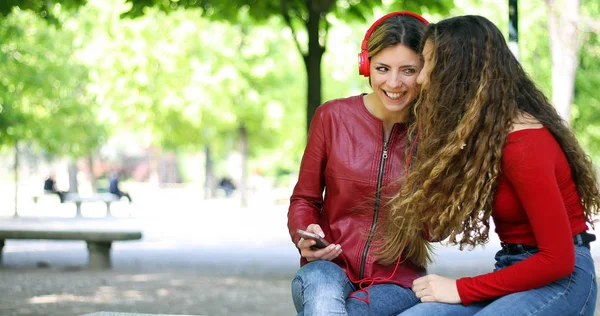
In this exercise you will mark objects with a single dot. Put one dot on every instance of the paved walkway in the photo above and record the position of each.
(212, 260)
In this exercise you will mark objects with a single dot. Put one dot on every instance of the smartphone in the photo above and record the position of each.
(321, 243)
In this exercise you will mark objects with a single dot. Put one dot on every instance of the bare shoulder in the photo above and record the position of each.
(525, 121)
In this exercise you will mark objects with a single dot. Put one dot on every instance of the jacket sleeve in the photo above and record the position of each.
(307, 199)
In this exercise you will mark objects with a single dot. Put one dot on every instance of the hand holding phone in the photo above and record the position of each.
(321, 242)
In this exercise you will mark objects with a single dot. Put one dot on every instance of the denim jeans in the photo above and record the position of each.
(322, 288)
(572, 295)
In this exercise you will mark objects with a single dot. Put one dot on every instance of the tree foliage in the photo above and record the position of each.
(586, 108)
(535, 58)
(309, 21)
(183, 79)
(182, 82)
(44, 97)
(44, 8)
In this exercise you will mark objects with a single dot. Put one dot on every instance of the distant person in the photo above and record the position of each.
(113, 187)
(50, 187)
(227, 185)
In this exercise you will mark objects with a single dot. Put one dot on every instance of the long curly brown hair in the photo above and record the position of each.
(476, 90)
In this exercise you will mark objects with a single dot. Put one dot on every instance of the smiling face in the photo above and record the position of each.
(394, 72)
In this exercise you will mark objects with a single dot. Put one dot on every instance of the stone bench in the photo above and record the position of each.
(98, 241)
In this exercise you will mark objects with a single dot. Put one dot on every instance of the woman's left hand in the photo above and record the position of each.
(435, 288)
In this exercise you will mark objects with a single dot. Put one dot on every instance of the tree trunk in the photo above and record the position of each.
(563, 22)
(513, 27)
(92, 174)
(73, 185)
(243, 134)
(317, 11)
(16, 170)
(209, 176)
(153, 157)
(312, 61)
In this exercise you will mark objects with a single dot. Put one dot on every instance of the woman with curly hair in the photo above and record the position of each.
(490, 145)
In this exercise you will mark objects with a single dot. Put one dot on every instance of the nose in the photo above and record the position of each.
(395, 80)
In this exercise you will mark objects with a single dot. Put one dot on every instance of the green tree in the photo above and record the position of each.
(534, 42)
(182, 82)
(585, 112)
(309, 21)
(44, 8)
(44, 97)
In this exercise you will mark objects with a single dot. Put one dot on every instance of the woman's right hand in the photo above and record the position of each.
(311, 254)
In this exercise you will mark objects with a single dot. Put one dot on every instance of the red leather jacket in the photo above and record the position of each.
(347, 155)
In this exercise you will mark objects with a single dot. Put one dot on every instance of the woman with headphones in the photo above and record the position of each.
(354, 154)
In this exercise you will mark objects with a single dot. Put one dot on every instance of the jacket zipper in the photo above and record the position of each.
(384, 156)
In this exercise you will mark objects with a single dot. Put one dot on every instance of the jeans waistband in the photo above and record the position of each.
(582, 239)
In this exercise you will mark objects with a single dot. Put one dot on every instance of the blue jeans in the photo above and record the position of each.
(572, 295)
(322, 288)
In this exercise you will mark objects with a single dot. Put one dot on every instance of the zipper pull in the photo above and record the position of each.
(385, 146)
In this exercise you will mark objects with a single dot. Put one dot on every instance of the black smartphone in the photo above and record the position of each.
(321, 243)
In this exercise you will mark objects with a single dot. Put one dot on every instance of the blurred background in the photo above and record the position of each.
(201, 108)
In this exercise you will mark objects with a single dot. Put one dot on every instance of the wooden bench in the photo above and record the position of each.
(98, 241)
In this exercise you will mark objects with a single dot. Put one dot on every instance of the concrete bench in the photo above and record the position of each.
(98, 241)
(106, 198)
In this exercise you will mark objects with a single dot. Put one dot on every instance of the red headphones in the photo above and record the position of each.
(363, 56)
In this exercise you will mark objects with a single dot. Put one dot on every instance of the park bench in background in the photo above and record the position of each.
(99, 241)
(106, 198)
(36, 196)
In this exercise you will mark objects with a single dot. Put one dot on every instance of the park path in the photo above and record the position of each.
(198, 258)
